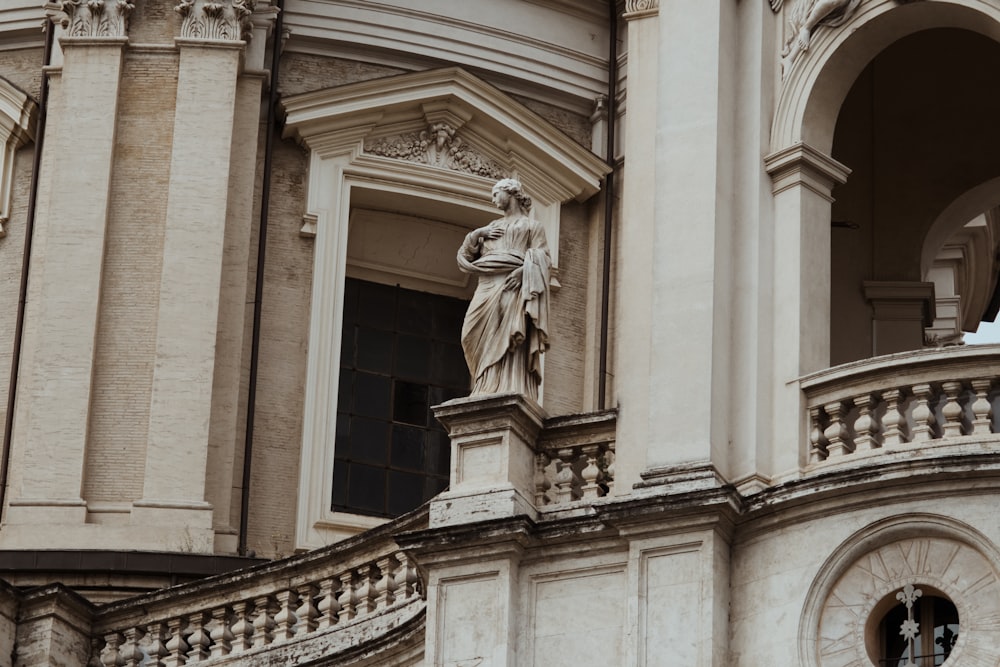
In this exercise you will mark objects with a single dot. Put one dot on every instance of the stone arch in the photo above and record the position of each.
(970, 204)
(925, 549)
(815, 87)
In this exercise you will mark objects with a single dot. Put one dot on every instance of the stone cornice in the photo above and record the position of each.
(801, 164)
(18, 115)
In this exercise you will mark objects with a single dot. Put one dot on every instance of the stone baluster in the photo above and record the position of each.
(865, 427)
(346, 598)
(242, 629)
(406, 577)
(198, 640)
(156, 649)
(131, 653)
(177, 648)
(836, 431)
(96, 647)
(817, 439)
(893, 421)
(923, 416)
(306, 611)
(284, 621)
(221, 635)
(609, 470)
(365, 591)
(386, 586)
(564, 476)
(542, 483)
(111, 656)
(952, 411)
(589, 488)
(263, 622)
(982, 411)
(328, 605)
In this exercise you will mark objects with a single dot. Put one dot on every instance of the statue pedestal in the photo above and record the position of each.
(493, 444)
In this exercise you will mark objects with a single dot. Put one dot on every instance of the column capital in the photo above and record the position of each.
(801, 164)
(93, 18)
(216, 19)
(640, 9)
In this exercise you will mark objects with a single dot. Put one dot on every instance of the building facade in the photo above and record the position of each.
(236, 425)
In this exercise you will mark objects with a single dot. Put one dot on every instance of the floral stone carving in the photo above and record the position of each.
(94, 18)
(211, 19)
(438, 146)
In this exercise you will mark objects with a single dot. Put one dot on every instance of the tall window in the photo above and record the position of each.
(401, 353)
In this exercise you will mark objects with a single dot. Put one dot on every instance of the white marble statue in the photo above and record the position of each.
(805, 16)
(506, 327)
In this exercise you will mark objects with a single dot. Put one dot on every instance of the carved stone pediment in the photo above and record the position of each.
(216, 19)
(440, 145)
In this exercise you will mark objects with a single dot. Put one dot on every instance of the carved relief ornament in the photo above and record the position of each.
(437, 146)
(636, 9)
(92, 18)
(216, 19)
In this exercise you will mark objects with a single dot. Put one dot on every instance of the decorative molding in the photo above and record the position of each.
(18, 114)
(91, 18)
(212, 19)
(640, 9)
(801, 164)
(437, 146)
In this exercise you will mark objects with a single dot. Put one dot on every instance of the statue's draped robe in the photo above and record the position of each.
(506, 330)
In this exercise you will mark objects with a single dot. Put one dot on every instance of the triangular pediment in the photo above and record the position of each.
(445, 119)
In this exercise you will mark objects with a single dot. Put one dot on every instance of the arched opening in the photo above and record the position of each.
(918, 131)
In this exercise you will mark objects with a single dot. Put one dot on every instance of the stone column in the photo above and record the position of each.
(803, 179)
(211, 53)
(54, 397)
(901, 311)
(692, 281)
(634, 262)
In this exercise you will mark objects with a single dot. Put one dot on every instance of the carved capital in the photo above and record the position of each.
(637, 9)
(91, 18)
(216, 19)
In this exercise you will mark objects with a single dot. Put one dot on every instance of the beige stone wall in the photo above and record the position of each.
(22, 69)
(126, 337)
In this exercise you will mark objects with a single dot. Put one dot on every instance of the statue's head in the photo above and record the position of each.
(513, 188)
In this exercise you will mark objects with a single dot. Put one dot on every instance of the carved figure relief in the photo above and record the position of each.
(804, 18)
(94, 18)
(438, 146)
(210, 19)
(506, 327)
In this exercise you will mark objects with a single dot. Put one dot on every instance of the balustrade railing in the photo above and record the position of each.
(230, 615)
(908, 399)
(575, 459)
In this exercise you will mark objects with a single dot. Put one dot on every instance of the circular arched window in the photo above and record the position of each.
(915, 627)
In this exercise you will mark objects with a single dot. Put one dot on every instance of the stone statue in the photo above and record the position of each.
(506, 327)
(805, 16)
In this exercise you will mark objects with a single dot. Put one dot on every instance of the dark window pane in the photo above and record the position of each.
(372, 395)
(410, 403)
(374, 350)
(406, 492)
(376, 305)
(343, 445)
(407, 447)
(434, 486)
(448, 366)
(347, 345)
(351, 300)
(369, 440)
(340, 484)
(345, 391)
(366, 488)
(413, 358)
(414, 314)
(437, 452)
(447, 317)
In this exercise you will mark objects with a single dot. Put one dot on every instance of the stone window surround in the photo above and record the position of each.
(18, 117)
(333, 125)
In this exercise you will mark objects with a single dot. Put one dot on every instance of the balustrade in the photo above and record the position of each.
(576, 459)
(280, 607)
(912, 399)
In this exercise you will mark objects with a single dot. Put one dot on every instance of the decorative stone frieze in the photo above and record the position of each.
(92, 18)
(637, 9)
(438, 146)
(208, 19)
